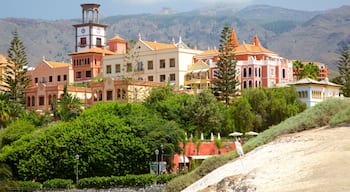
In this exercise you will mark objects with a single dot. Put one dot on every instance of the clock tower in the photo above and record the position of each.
(90, 33)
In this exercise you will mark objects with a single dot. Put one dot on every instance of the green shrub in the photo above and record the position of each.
(164, 178)
(341, 117)
(313, 117)
(27, 186)
(58, 184)
(118, 181)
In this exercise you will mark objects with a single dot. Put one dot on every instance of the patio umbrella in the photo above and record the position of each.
(252, 133)
(235, 134)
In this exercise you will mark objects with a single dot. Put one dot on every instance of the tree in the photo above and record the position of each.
(219, 144)
(225, 81)
(243, 116)
(343, 65)
(69, 106)
(205, 113)
(297, 67)
(15, 78)
(310, 70)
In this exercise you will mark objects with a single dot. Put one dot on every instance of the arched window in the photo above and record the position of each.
(244, 72)
(244, 84)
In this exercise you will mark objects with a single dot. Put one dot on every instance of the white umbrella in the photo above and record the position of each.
(202, 136)
(219, 136)
(234, 134)
(211, 136)
(252, 133)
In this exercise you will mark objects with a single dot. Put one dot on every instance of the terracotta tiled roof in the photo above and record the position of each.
(210, 52)
(158, 46)
(54, 64)
(95, 50)
(249, 48)
(200, 65)
(117, 37)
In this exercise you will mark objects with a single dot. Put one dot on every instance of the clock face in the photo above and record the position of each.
(82, 30)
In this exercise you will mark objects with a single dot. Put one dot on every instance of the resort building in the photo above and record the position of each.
(256, 65)
(47, 81)
(3, 65)
(151, 61)
(313, 92)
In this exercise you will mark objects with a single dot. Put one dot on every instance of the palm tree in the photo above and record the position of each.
(69, 106)
(297, 67)
(219, 144)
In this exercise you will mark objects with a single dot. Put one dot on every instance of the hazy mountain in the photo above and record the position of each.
(311, 36)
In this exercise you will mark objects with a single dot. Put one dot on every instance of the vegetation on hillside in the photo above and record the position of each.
(317, 116)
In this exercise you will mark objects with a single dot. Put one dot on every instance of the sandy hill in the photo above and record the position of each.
(313, 160)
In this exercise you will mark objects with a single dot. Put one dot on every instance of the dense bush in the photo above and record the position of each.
(341, 117)
(313, 117)
(58, 184)
(117, 181)
(27, 186)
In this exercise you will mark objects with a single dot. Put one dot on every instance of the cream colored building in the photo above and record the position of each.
(151, 61)
(312, 92)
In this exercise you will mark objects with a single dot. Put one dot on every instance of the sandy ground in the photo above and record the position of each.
(313, 160)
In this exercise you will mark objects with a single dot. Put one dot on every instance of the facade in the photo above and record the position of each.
(47, 82)
(198, 76)
(151, 61)
(87, 64)
(3, 65)
(312, 92)
(256, 65)
(123, 91)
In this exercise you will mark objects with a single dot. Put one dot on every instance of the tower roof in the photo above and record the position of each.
(234, 39)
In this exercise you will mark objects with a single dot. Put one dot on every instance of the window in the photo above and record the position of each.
(128, 67)
(172, 62)
(108, 69)
(109, 95)
(117, 68)
(98, 42)
(36, 80)
(283, 73)
(162, 63)
(150, 65)
(50, 78)
(162, 78)
(33, 101)
(272, 72)
(58, 77)
(256, 72)
(139, 66)
(172, 77)
(250, 84)
(100, 96)
(249, 72)
(150, 78)
(88, 74)
(83, 42)
(43, 80)
(78, 74)
(41, 100)
(64, 77)
(244, 84)
(118, 93)
(244, 72)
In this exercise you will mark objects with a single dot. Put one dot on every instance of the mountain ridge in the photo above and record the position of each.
(305, 35)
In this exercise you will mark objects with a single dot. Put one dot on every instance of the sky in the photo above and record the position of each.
(70, 9)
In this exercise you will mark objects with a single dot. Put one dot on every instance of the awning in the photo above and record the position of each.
(199, 70)
(183, 159)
